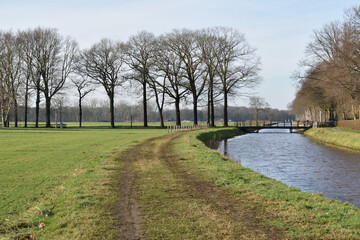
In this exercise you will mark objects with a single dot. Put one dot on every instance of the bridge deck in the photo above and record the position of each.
(257, 128)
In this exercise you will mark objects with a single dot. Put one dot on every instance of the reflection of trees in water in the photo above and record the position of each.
(225, 151)
(215, 143)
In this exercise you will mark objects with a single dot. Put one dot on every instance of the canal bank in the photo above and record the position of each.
(297, 161)
(300, 214)
(340, 137)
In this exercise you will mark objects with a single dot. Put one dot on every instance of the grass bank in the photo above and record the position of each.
(299, 214)
(57, 184)
(188, 191)
(341, 137)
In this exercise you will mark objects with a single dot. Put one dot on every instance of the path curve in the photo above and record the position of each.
(224, 204)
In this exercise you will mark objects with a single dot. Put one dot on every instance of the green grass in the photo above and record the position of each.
(301, 215)
(61, 178)
(340, 137)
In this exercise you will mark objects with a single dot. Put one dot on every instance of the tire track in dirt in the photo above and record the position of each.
(224, 204)
(220, 201)
(126, 208)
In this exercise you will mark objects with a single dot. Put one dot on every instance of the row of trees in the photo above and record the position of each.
(183, 65)
(97, 110)
(329, 84)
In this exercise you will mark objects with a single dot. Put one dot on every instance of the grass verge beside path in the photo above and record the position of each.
(58, 184)
(341, 137)
(188, 191)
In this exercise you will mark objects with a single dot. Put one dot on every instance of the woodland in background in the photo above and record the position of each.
(207, 66)
(329, 76)
(98, 111)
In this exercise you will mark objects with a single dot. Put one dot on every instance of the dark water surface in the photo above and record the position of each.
(299, 162)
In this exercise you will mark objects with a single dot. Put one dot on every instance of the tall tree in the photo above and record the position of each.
(238, 65)
(83, 87)
(103, 63)
(209, 46)
(259, 105)
(27, 51)
(140, 55)
(10, 64)
(168, 64)
(54, 60)
(185, 44)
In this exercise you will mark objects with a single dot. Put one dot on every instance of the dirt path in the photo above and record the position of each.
(219, 202)
(126, 209)
(218, 199)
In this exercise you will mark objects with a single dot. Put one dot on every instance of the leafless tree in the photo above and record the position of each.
(209, 45)
(10, 64)
(54, 61)
(103, 63)
(259, 105)
(27, 50)
(238, 65)
(332, 64)
(168, 65)
(185, 43)
(140, 56)
(83, 86)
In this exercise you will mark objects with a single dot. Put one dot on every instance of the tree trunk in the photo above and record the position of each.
(208, 108)
(37, 105)
(80, 112)
(225, 110)
(112, 118)
(212, 116)
(177, 111)
(48, 111)
(145, 105)
(161, 119)
(3, 114)
(16, 112)
(26, 103)
(160, 106)
(195, 110)
(353, 112)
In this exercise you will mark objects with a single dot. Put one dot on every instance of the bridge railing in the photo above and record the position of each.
(252, 123)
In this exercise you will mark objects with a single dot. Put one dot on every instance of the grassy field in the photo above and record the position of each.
(60, 178)
(341, 137)
(64, 184)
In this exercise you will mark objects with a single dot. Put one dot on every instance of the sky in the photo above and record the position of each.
(278, 29)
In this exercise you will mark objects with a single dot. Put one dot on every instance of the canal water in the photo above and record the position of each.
(299, 162)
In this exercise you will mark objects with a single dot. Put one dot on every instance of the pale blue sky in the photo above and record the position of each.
(279, 29)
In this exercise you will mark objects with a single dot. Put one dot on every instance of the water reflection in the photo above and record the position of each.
(297, 161)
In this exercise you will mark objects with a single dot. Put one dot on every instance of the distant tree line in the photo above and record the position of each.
(329, 79)
(96, 110)
(208, 65)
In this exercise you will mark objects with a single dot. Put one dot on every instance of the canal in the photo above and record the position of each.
(299, 162)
